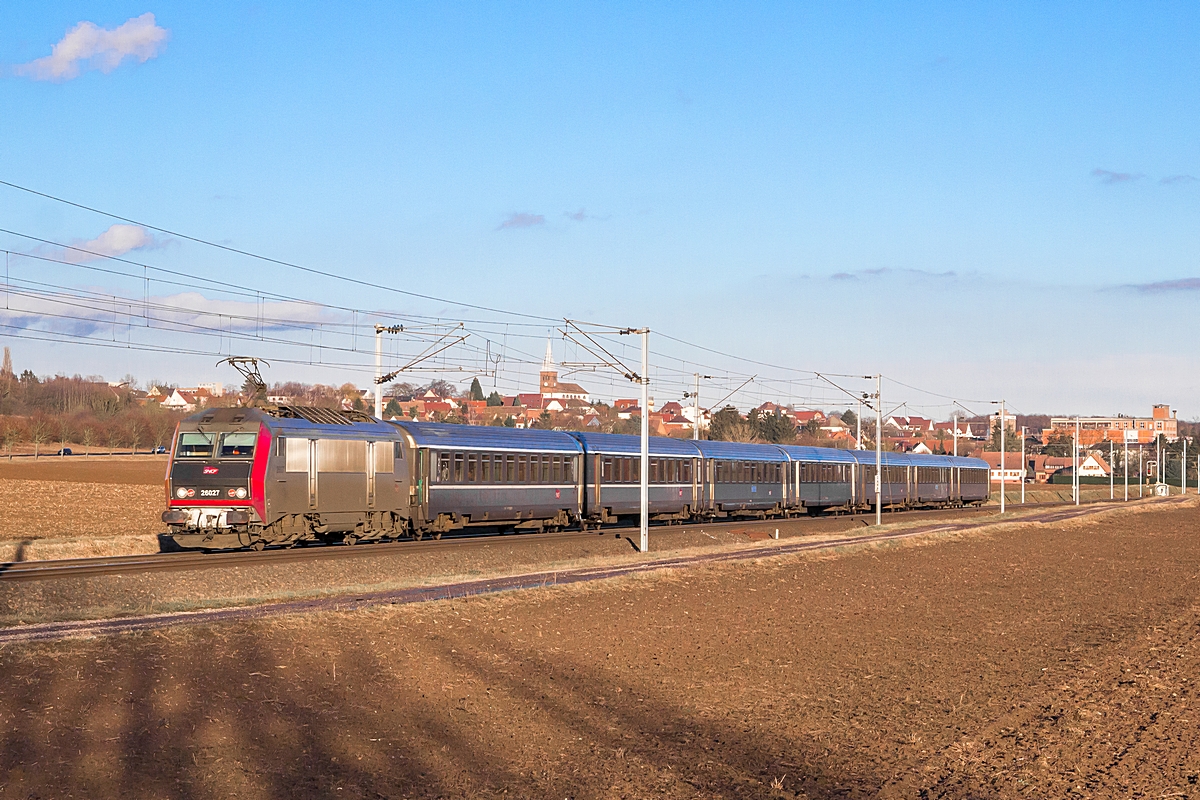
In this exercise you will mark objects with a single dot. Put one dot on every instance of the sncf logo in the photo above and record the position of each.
(210, 470)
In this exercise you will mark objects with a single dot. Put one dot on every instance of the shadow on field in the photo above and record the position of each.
(220, 713)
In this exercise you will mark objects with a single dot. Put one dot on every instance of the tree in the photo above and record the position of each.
(6, 370)
(65, 432)
(494, 399)
(1058, 444)
(544, 419)
(849, 419)
(777, 428)
(134, 431)
(13, 432)
(162, 425)
(441, 388)
(729, 426)
(476, 390)
(496, 422)
(39, 431)
(112, 434)
(1012, 440)
(509, 422)
(88, 436)
(392, 409)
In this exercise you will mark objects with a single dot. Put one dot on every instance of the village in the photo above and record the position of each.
(1037, 448)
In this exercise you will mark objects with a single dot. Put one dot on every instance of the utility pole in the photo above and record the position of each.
(1024, 465)
(645, 471)
(696, 404)
(1183, 470)
(879, 449)
(1125, 467)
(1141, 471)
(955, 434)
(380, 330)
(1075, 461)
(1003, 427)
(1112, 495)
(644, 461)
(858, 436)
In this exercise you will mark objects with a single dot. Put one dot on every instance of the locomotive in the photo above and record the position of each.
(253, 477)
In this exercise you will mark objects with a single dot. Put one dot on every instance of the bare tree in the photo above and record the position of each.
(134, 431)
(39, 431)
(88, 436)
(161, 428)
(13, 432)
(112, 435)
(65, 432)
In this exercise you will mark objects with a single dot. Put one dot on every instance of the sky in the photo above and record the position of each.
(979, 201)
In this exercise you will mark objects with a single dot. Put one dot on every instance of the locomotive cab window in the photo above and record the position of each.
(238, 445)
(195, 445)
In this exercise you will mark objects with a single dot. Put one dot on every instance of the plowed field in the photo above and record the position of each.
(1028, 662)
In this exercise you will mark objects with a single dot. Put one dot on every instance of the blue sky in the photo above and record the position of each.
(975, 200)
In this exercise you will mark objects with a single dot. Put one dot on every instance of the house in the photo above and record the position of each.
(187, 400)
(912, 426)
(1013, 471)
(957, 428)
(922, 449)
(1094, 466)
(803, 417)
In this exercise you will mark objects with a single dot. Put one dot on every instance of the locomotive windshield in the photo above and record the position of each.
(195, 445)
(238, 445)
(205, 445)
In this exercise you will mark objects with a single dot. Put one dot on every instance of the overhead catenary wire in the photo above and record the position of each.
(663, 373)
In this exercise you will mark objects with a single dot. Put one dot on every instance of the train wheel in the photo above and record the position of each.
(257, 545)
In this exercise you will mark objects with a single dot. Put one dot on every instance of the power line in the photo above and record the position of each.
(268, 259)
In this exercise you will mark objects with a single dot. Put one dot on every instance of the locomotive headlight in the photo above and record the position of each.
(181, 492)
(241, 493)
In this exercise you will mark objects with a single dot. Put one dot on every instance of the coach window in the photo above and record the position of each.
(522, 465)
(626, 470)
(510, 468)
(556, 469)
(606, 470)
(458, 467)
(443, 471)
(686, 471)
(485, 467)
(655, 470)
(636, 469)
(569, 469)
(546, 477)
(472, 468)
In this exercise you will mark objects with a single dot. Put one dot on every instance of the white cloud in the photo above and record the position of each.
(83, 312)
(118, 240)
(88, 46)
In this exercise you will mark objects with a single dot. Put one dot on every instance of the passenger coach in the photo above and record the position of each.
(249, 477)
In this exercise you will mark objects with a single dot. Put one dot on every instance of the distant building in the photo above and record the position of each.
(1093, 430)
(551, 388)
(187, 400)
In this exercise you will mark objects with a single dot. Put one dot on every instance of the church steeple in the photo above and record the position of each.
(549, 371)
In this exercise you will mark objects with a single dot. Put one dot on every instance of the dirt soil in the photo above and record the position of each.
(1054, 661)
(74, 507)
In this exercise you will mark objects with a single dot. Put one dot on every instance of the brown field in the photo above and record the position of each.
(1034, 661)
(69, 507)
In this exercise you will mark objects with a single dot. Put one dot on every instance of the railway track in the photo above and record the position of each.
(61, 630)
(194, 560)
